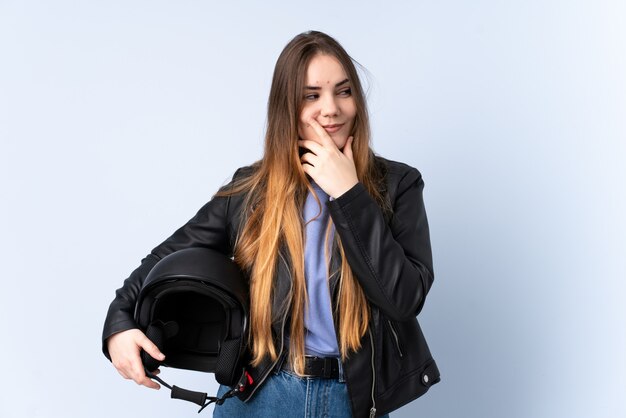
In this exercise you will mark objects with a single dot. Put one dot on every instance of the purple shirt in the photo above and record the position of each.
(319, 334)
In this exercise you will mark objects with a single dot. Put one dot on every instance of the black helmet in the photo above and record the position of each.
(194, 306)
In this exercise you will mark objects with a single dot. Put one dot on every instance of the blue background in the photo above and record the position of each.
(119, 119)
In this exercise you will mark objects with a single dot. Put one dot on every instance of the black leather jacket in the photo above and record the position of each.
(390, 256)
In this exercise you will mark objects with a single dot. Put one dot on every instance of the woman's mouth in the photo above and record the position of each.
(332, 128)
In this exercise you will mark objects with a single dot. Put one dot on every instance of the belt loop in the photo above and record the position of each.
(341, 378)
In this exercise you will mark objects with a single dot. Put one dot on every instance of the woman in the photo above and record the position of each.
(336, 245)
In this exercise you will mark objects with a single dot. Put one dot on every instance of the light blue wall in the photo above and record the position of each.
(119, 119)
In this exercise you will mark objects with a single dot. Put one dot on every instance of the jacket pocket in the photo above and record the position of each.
(389, 356)
(394, 333)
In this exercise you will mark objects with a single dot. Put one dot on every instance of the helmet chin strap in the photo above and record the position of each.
(160, 331)
(201, 398)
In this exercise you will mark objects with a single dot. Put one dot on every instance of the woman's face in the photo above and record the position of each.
(327, 99)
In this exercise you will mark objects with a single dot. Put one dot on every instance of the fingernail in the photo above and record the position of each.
(161, 356)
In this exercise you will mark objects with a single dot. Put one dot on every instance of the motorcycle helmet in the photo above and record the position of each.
(193, 305)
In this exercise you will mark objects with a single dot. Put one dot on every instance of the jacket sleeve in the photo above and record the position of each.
(208, 228)
(392, 261)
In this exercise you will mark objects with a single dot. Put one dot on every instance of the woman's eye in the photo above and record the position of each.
(310, 97)
(346, 92)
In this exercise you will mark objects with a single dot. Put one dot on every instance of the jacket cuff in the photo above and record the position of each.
(348, 196)
(114, 329)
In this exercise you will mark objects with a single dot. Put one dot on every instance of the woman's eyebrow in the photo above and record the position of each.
(319, 88)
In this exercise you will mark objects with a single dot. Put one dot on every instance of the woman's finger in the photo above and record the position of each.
(308, 158)
(347, 149)
(308, 169)
(137, 372)
(150, 348)
(326, 140)
(139, 376)
(311, 146)
(149, 383)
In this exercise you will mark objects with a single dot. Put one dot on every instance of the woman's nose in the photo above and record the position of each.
(329, 107)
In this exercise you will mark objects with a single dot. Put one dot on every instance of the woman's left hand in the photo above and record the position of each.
(331, 168)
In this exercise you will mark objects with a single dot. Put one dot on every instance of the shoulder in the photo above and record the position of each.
(246, 171)
(398, 173)
(240, 177)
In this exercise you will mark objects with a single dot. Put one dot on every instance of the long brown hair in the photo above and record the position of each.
(276, 190)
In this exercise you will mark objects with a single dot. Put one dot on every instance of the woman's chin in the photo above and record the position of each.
(340, 142)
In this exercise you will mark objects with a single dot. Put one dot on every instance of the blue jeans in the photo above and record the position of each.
(286, 395)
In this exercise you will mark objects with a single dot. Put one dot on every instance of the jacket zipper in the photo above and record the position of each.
(282, 344)
(395, 336)
(373, 408)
